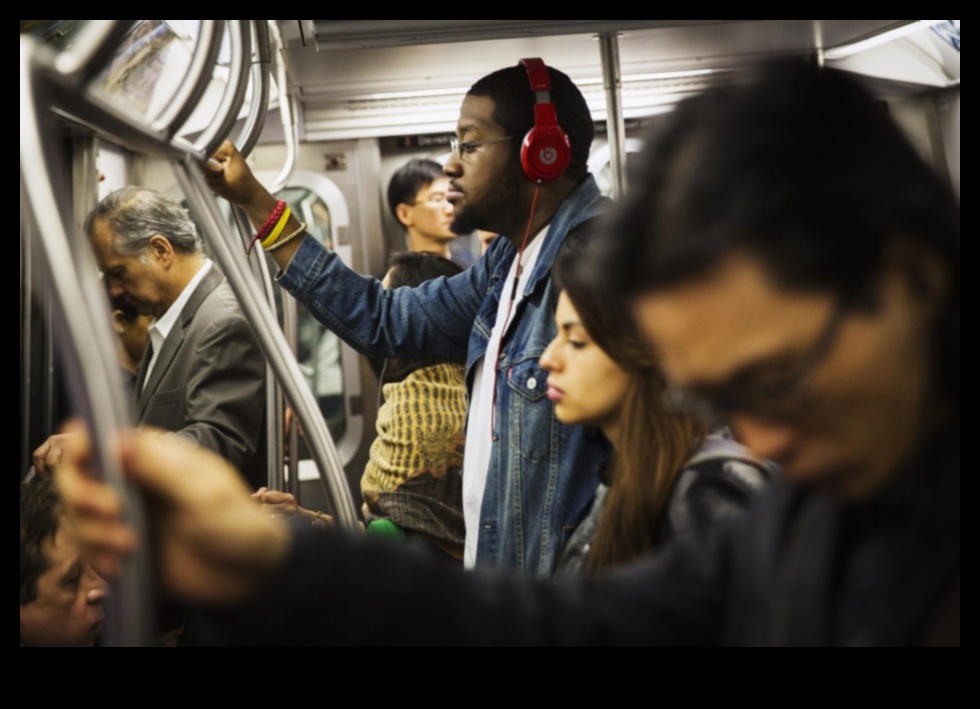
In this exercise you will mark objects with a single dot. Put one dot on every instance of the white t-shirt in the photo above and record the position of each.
(479, 429)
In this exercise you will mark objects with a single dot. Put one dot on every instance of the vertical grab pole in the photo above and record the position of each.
(615, 125)
(87, 352)
(290, 326)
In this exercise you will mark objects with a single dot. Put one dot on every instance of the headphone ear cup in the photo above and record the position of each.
(545, 152)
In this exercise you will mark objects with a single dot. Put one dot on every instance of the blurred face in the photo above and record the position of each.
(586, 385)
(485, 180)
(68, 610)
(132, 334)
(836, 397)
(431, 213)
(138, 279)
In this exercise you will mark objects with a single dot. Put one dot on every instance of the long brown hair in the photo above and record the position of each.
(654, 441)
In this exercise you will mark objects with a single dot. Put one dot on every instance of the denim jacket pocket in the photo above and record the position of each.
(529, 410)
(528, 379)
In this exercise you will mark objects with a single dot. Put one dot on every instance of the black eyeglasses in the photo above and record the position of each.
(468, 147)
(782, 397)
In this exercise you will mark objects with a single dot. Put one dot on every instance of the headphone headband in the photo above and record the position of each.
(546, 152)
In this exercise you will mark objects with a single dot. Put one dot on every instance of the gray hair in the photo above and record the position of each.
(136, 214)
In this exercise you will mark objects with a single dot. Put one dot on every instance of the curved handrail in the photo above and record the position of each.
(92, 50)
(180, 108)
(260, 90)
(240, 38)
(273, 393)
(85, 341)
(287, 111)
(90, 108)
(272, 341)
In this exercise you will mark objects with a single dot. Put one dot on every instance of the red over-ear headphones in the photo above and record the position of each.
(546, 151)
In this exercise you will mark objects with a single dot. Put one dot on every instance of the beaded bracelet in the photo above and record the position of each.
(286, 239)
(269, 225)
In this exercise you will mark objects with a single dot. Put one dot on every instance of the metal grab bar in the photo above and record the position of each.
(90, 109)
(93, 50)
(287, 112)
(85, 341)
(205, 56)
(615, 125)
(240, 38)
(290, 325)
(260, 90)
(271, 339)
(273, 399)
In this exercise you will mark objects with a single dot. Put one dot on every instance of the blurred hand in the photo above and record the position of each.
(275, 502)
(227, 173)
(49, 454)
(213, 545)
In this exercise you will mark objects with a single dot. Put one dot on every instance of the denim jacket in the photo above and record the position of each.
(541, 477)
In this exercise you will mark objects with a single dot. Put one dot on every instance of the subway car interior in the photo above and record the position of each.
(325, 112)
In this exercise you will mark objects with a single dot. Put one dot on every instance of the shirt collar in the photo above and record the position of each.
(166, 323)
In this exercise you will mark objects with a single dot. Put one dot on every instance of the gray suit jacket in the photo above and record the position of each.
(208, 383)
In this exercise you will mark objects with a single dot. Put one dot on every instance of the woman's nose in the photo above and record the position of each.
(549, 360)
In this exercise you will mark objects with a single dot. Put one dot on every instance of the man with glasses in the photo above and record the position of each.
(796, 265)
(528, 480)
(418, 200)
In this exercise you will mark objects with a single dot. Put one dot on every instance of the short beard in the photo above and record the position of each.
(496, 211)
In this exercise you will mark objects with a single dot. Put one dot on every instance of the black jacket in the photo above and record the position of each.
(797, 569)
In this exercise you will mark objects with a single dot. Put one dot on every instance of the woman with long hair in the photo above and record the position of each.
(666, 476)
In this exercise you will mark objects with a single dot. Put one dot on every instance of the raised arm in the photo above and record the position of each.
(230, 177)
(433, 321)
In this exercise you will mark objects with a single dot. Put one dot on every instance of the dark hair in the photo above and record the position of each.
(655, 442)
(40, 517)
(408, 180)
(513, 110)
(795, 166)
(136, 214)
(413, 268)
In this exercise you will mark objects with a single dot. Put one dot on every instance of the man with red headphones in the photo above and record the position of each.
(519, 169)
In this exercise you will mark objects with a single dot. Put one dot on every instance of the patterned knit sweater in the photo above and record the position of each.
(414, 473)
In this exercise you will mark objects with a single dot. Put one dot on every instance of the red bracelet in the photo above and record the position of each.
(270, 223)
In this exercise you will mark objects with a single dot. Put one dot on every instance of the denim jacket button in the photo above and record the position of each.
(532, 383)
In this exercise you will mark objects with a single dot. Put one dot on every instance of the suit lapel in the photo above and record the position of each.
(171, 345)
(141, 372)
